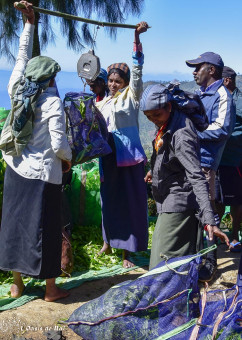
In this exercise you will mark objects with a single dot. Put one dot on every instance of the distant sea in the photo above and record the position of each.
(66, 82)
(69, 81)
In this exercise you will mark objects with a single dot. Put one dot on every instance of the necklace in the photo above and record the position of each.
(158, 139)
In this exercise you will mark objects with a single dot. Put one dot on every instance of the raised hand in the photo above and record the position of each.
(142, 27)
(26, 9)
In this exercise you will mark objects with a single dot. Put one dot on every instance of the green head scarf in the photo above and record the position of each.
(18, 126)
(41, 69)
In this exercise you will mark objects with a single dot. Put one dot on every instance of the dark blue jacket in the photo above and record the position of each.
(232, 155)
(220, 111)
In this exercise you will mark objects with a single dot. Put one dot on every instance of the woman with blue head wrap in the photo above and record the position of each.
(178, 183)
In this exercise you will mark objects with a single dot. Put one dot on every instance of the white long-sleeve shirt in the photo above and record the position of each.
(41, 158)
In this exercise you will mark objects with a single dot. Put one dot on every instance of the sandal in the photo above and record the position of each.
(235, 247)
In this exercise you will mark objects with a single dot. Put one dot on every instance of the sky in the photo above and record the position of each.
(180, 30)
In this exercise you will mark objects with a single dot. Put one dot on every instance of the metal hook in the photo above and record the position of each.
(94, 38)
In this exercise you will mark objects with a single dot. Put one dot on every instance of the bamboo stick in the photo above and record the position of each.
(74, 17)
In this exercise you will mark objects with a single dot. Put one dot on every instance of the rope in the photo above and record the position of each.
(166, 258)
(94, 38)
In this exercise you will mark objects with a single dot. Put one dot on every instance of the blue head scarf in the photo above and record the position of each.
(103, 75)
(155, 97)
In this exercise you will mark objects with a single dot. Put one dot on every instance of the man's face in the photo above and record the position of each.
(230, 83)
(202, 74)
(97, 86)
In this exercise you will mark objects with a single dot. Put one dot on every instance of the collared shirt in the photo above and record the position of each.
(211, 86)
(41, 158)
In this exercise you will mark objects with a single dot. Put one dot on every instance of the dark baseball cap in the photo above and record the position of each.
(228, 72)
(207, 57)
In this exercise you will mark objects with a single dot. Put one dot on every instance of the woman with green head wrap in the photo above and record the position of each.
(36, 149)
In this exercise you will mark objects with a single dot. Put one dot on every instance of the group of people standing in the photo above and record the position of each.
(186, 154)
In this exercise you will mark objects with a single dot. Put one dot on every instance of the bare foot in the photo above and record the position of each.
(128, 264)
(17, 290)
(105, 249)
(126, 261)
(56, 293)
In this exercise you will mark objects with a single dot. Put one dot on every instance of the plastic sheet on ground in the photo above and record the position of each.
(35, 289)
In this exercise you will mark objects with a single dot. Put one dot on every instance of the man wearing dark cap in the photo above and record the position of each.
(230, 168)
(220, 112)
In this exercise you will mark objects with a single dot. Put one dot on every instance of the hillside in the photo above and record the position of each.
(147, 129)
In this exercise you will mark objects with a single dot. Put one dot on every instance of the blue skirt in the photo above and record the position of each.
(30, 234)
(124, 205)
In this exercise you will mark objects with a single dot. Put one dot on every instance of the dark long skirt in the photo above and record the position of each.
(175, 235)
(30, 234)
(124, 205)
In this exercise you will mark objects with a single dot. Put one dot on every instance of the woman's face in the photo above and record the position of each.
(115, 83)
(159, 117)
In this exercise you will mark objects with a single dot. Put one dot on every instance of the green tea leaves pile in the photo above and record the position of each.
(87, 242)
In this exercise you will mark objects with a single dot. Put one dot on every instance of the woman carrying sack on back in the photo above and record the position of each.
(178, 183)
(30, 234)
(123, 190)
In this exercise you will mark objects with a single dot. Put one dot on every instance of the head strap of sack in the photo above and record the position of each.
(190, 104)
(156, 96)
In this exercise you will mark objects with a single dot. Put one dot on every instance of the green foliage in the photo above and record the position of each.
(152, 207)
(82, 109)
(87, 242)
(232, 336)
(151, 231)
(227, 221)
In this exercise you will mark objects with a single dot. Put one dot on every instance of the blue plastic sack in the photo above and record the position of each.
(162, 302)
(87, 130)
(221, 315)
